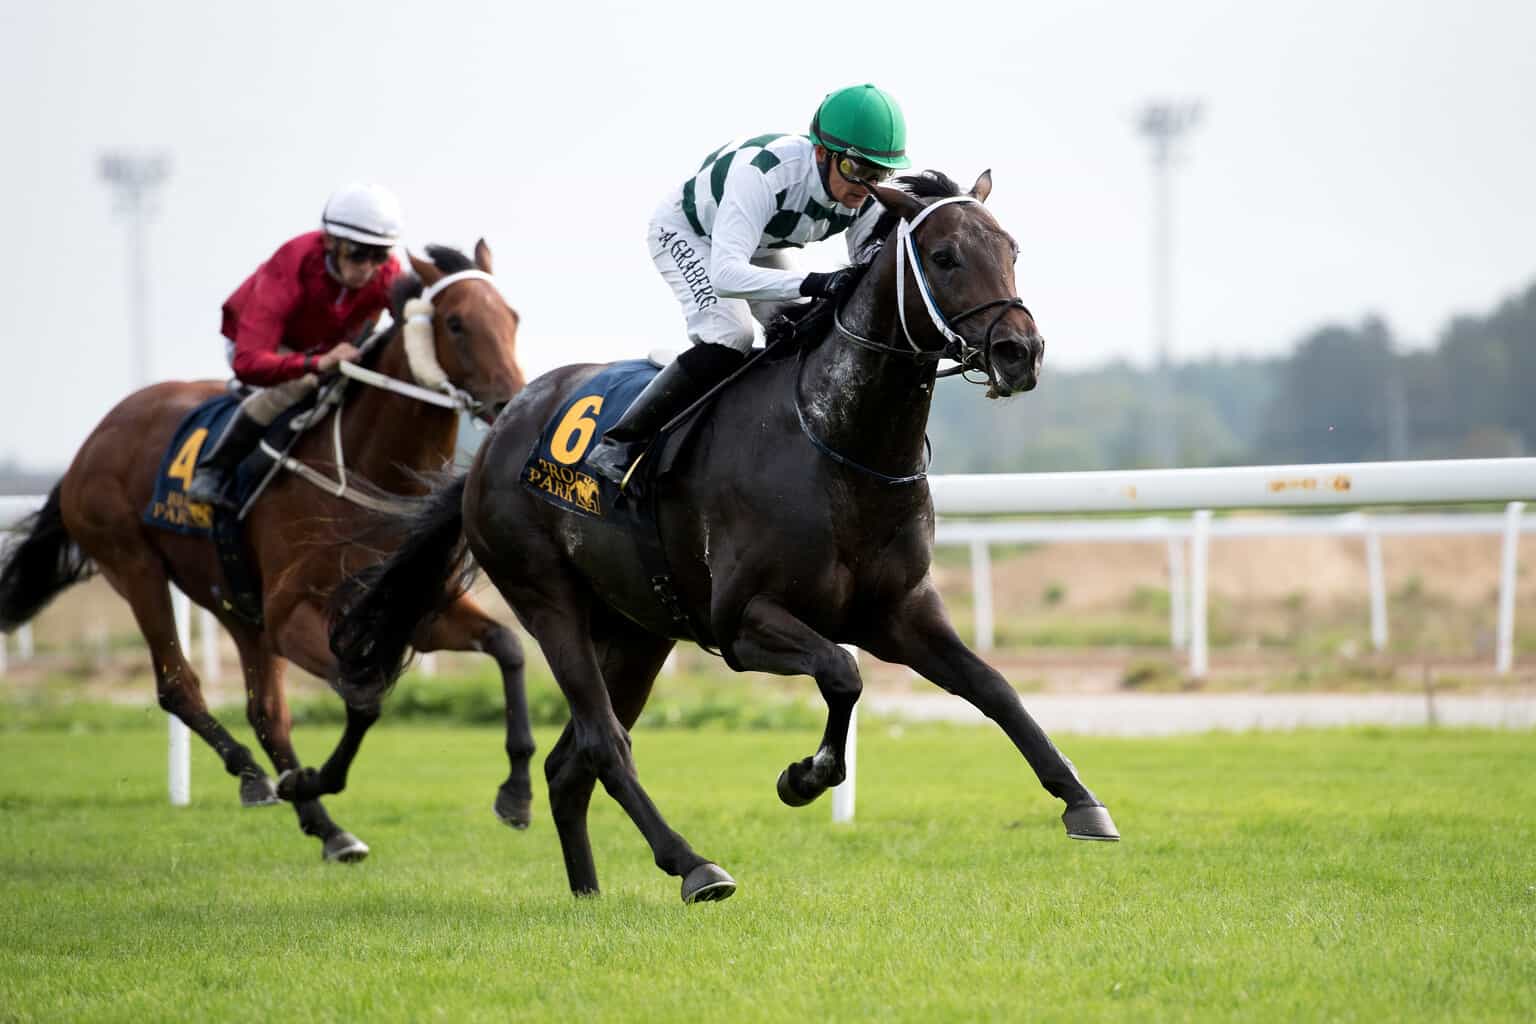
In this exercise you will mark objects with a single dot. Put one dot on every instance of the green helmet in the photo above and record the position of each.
(864, 122)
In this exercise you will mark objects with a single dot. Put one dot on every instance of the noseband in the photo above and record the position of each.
(969, 356)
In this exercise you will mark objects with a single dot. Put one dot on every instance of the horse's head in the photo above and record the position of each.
(472, 343)
(962, 260)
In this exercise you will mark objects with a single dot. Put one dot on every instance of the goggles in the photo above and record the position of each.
(357, 252)
(860, 173)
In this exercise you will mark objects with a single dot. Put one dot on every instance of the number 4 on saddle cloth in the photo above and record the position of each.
(169, 508)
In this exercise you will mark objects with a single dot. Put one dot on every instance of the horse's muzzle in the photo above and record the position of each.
(1016, 363)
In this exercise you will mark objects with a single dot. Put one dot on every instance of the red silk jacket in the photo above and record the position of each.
(293, 301)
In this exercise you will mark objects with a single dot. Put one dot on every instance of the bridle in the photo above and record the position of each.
(971, 356)
(432, 387)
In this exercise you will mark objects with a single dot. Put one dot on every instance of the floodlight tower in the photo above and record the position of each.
(134, 178)
(1164, 124)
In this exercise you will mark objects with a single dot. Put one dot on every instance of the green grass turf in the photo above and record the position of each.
(1346, 875)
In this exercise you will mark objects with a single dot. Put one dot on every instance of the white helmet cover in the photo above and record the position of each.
(364, 213)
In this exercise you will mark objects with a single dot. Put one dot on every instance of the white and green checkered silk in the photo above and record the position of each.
(803, 212)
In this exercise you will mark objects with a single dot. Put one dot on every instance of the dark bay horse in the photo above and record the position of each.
(797, 518)
(301, 537)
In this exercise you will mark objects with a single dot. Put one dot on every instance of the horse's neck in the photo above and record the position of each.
(387, 438)
(869, 406)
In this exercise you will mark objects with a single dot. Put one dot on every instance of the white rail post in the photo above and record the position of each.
(428, 666)
(1378, 578)
(981, 594)
(1509, 564)
(24, 647)
(1178, 608)
(208, 645)
(1200, 548)
(842, 794)
(669, 667)
(3, 641)
(179, 747)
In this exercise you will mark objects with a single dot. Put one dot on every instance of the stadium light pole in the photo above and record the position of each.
(135, 178)
(1164, 124)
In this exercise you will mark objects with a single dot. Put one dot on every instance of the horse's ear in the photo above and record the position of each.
(483, 256)
(983, 186)
(899, 202)
(425, 269)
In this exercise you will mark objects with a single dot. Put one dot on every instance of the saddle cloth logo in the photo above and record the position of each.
(168, 507)
(555, 470)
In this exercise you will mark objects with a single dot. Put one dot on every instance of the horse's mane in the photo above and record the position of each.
(923, 185)
(407, 286)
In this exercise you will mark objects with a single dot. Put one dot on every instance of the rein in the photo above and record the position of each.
(970, 357)
(418, 337)
(841, 459)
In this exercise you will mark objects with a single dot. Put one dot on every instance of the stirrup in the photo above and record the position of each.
(218, 497)
(612, 458)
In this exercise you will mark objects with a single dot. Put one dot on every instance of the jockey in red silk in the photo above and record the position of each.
(297, 316)
(722, 240)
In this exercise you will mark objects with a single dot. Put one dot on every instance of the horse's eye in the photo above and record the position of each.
(455, 324)
(945, 259)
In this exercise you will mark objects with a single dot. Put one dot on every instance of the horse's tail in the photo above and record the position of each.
(375, 613)
(45, 562)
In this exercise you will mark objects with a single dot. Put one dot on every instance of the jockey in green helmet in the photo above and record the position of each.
(720, 242)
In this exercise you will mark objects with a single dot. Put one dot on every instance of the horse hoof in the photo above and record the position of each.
(707, 883)
(512, 810)
(792, 796)
(345, 848)
(1091, 822)
(257, 791)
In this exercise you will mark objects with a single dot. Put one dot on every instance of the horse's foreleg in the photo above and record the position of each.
(303, 638)
(465, 627)
(919, 635)
(267, 709)
(770, 639)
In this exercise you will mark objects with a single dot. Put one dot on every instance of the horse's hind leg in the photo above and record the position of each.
(629, 659)
(919, 635)
(770, 639)
(267, 710)
(559, 618)
(465, 627)
(143, 584)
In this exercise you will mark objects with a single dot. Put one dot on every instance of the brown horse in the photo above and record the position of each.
(302, 539)
(797, 518)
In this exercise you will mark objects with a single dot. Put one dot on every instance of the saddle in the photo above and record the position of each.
(168, 508)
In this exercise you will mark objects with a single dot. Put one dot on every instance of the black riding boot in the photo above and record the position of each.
(213, 483)
(676, 387)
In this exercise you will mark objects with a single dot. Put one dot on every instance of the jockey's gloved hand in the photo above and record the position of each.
(826, 286)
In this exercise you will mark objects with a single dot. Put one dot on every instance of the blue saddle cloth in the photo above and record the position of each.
(555, 469)
(168, 507)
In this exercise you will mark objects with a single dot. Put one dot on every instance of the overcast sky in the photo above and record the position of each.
(1355, 156)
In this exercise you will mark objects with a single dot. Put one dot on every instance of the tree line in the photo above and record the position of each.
(1344, 393)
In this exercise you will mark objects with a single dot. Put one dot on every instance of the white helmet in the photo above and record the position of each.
(364, 213)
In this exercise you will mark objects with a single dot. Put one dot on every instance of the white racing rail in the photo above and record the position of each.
(1198, 491)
